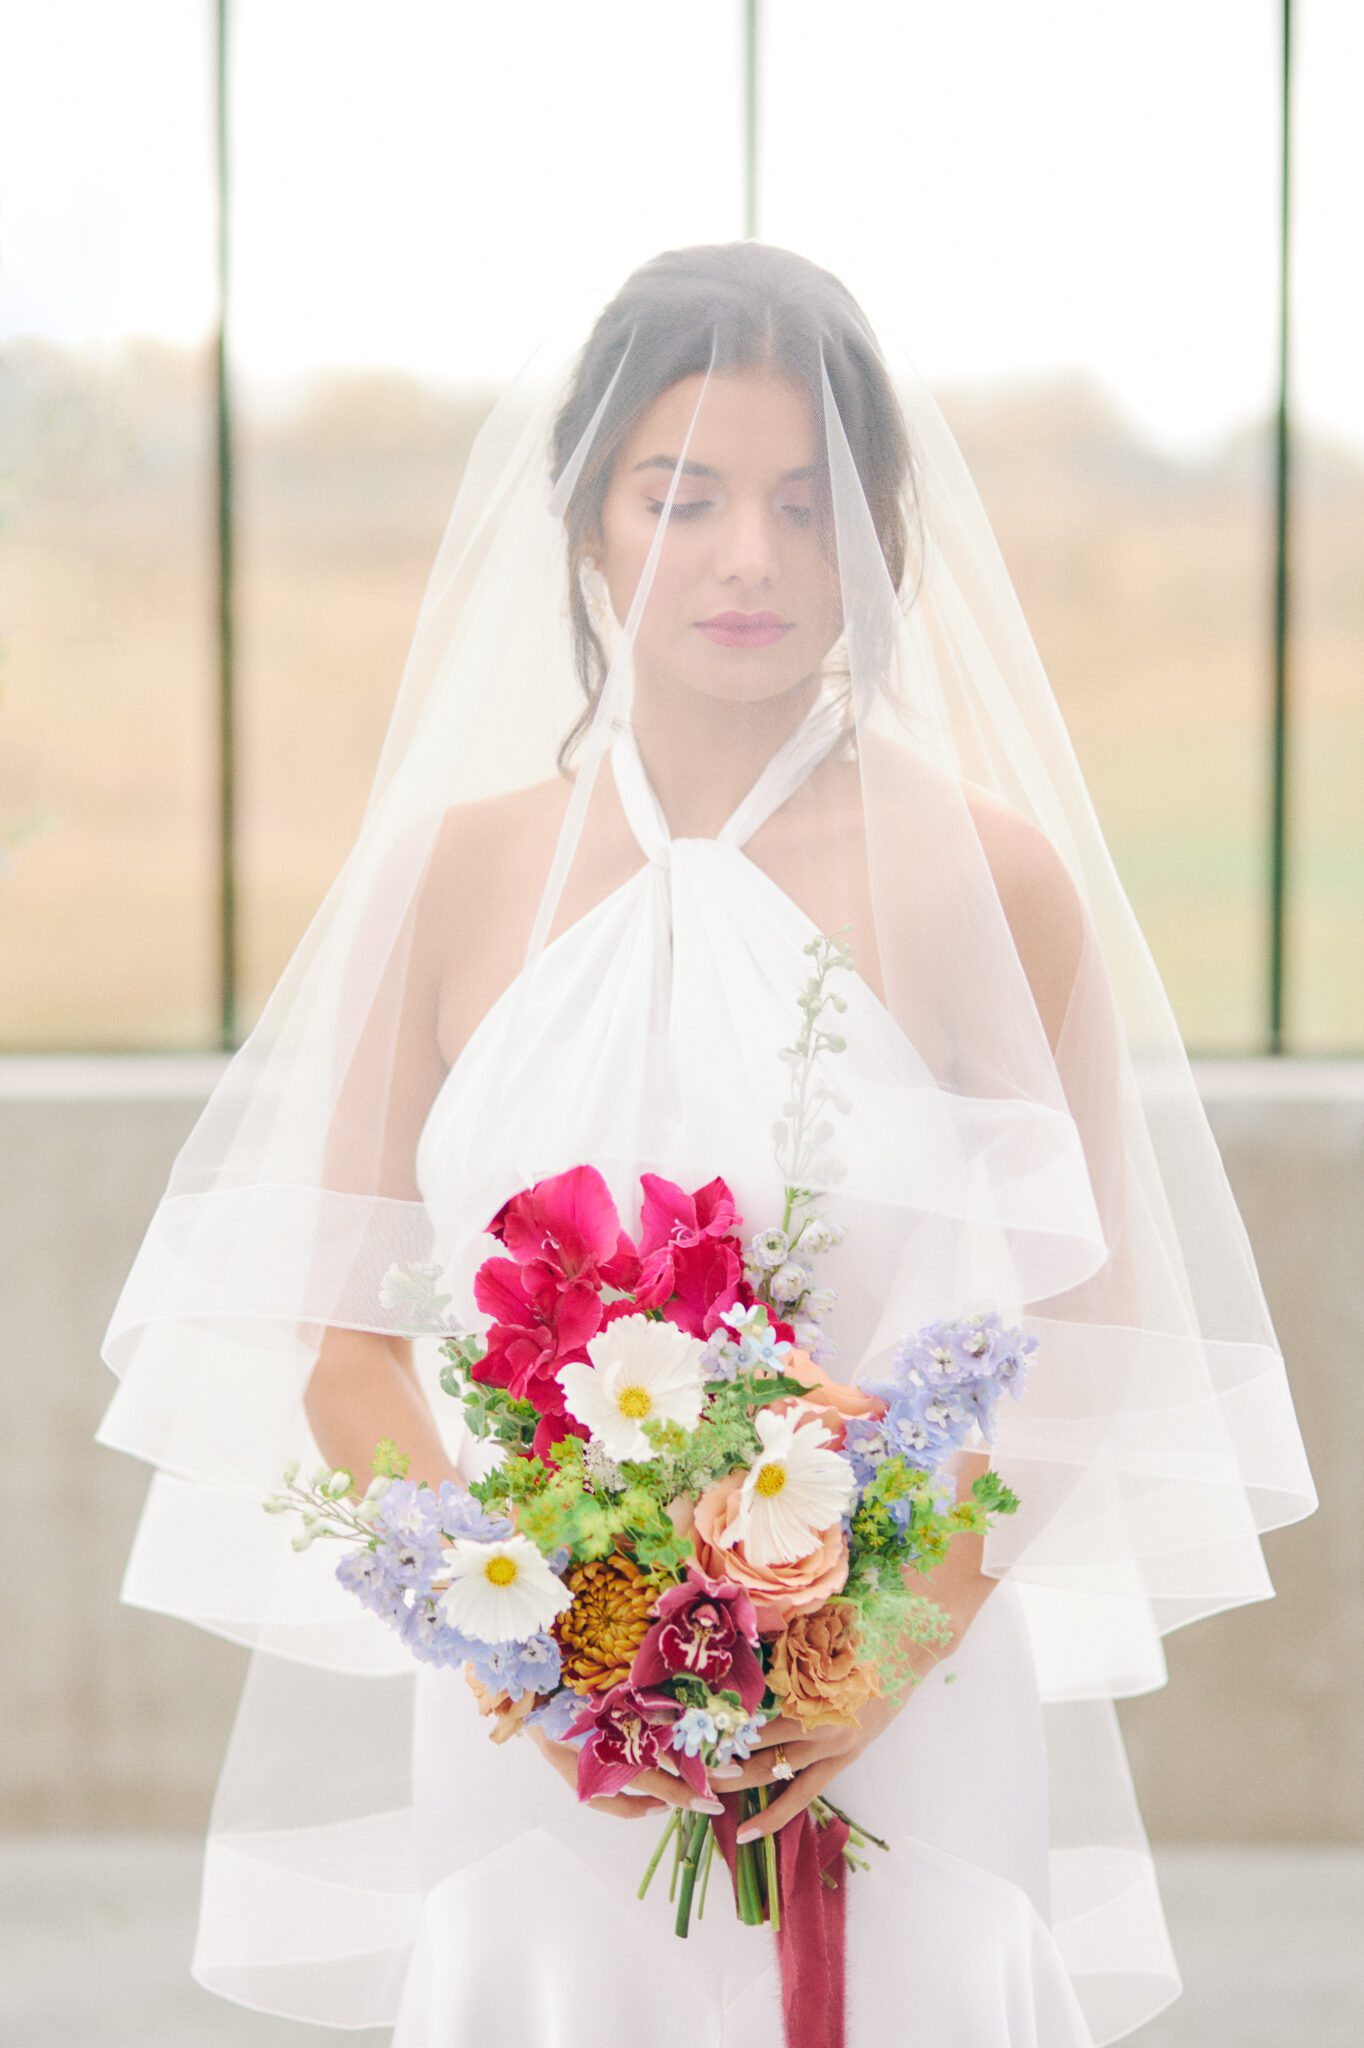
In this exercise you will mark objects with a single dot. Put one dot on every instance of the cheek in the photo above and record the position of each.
(627, 543)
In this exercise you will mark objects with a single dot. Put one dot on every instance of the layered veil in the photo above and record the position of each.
(1011, 1121)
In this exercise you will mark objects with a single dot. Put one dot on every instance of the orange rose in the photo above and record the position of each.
(832, 1402)
(777, 1590)
(815, 1671)
(508, 1714)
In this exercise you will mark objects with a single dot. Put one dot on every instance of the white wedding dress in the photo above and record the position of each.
(1001, 1917)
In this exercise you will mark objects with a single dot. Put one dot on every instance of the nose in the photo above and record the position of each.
(746, 550)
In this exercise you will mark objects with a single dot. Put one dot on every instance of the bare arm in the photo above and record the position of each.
(364, 1387)
(364, 1384)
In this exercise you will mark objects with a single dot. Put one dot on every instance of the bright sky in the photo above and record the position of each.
(1009, 186)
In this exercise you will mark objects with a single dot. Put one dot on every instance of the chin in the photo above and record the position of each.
(736, 675)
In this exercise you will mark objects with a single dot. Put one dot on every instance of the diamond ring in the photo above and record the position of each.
(780, 1767)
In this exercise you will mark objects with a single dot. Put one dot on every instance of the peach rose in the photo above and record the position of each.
(507, 1713)
(777, 1590)
(815, 1671)
(833, 1403)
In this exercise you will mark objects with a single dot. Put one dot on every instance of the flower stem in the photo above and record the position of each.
(746, 1870)
(708, 1857)
(695, 1835)
(678, 1840)
(770, 1858)
(861, 1835)
(654, 1860)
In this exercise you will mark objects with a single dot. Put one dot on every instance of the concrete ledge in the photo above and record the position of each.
(122, 1716)
(97, 1935)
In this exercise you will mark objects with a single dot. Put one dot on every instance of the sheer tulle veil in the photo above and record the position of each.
(1023, 1132)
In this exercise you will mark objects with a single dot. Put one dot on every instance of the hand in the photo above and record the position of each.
(658, 1789)
(816, 1757)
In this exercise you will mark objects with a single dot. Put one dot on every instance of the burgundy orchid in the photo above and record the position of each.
(626, 1734)
(706, 1628)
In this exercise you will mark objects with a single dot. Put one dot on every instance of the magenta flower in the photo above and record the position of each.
(566, 1229)
(627, 1732)
(707, 1628)
(691, 1263)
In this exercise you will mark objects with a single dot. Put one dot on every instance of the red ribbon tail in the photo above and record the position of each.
(811, 1940)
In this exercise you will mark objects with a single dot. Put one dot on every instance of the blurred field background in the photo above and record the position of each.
(1145, 579)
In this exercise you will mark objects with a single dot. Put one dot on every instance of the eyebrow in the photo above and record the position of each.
(788, 476)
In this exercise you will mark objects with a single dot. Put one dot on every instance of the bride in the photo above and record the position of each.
(718, 655)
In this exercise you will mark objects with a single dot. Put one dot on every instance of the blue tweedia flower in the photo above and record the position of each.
(736, 1746)
(365, 1573)
(557, 1714)
(432, 1640)
(745, 1344)
(692, 1729)
(514, 1668)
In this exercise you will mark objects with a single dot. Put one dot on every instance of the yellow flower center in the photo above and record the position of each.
(500, 1571)
(634, 1402)
(770, 1479)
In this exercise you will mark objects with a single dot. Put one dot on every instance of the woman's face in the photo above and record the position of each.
(745, 601)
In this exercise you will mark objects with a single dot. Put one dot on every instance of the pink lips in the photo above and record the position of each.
(744, 629)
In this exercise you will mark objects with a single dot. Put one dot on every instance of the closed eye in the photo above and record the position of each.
(799, 515)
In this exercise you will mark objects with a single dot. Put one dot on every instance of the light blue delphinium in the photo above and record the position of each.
(459, 1514)
(364, 1573)
(557, 1714)
(430, 1639)
(514, 1668)
(407, 1533)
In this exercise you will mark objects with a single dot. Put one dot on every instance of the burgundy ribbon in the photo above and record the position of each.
(811, 1938)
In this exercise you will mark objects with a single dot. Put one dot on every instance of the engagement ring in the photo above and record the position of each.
(780, 1767)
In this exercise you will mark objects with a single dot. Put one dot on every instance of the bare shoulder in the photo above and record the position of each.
(1038, 894)
(474, 839)
(1043, 906)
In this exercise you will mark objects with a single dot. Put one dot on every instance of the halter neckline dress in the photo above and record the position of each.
(530, 1929)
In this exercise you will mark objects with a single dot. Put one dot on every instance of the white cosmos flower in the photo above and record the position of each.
(793, 1491)
(641, 1370)
(500, 1592)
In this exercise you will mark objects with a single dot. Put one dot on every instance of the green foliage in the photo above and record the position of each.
(489, 1411)
(992, 1494)
(388, 1461)
(891, 1618)
(565, 1507)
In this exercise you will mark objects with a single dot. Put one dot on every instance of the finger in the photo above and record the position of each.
(792, 1801)
(758, 1770)
(782, 1728)
(669, 1790)
(627, 1805)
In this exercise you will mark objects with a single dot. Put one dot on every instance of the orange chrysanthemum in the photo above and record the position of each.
(606, 1623)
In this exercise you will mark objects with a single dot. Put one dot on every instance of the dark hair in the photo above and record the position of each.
(727, 306)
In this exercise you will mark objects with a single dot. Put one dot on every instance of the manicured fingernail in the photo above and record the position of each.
(726, 1770)
(707, 1805)
(748, 1834)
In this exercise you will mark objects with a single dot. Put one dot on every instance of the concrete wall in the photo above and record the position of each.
(118, 1719)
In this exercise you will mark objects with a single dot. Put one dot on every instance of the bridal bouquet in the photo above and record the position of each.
(694, 1527)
